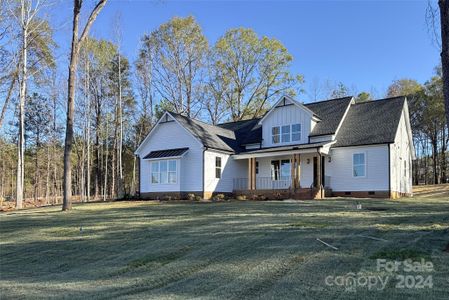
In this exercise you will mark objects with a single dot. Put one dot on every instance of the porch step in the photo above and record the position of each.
(305, 194)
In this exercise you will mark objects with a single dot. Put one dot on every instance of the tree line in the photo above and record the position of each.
(74, 134)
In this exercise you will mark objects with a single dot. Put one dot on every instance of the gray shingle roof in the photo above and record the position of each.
(330, 112)
(166, 153)
(373, 122)
(211, 136)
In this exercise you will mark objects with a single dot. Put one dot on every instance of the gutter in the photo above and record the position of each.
(321, 187)
(389, 170)
(140, 170)
(204, 166)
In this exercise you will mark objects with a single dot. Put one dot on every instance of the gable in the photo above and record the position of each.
(287, 113)
(167, 133)
(373, 122)
(284, 102)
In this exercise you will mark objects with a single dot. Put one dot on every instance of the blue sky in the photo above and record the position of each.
(363, 44)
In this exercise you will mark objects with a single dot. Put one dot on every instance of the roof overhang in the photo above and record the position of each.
(166, 154)
(322, 148)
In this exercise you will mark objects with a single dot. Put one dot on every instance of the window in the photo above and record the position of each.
(286, 134)
(164, 171)
(285, 169)
(358, 165)
(217, 167)
(296, 132)
(172, 174)
(155, 172)
(280, 169)
(275, 131)
(275, 169)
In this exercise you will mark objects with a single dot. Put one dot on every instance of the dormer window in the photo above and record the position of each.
(286, 134)
(296, 132)
(275, 133)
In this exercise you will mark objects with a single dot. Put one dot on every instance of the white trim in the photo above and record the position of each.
(164, 158)
(280, 153)
(364, 164)
(157, 124)
(344, 116)
(409, 129)
(168, 172)
(301, 106)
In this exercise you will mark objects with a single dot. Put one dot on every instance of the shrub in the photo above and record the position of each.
(262, 197)
(219, 197)
(191, 197)
(198, 198)
(241, 197)
(167, 198)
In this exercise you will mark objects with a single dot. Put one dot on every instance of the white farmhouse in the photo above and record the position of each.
(335, 147)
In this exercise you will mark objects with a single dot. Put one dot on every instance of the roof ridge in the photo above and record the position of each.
(328, 100)
(381, 100)
(199, 121)
(230, 122)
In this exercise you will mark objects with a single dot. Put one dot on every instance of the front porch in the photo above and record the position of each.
(291, 173)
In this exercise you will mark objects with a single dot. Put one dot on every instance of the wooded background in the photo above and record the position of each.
(117, 101)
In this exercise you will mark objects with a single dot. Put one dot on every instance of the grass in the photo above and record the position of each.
(228, 250)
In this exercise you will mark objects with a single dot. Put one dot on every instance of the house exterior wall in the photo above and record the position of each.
(401, 159)
(171, 135)
(230, 169)
(340, 169)
(286, 115)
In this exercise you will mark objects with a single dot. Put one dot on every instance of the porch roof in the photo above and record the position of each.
(322, 147)
(169, 153)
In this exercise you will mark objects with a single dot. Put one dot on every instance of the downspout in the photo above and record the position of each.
(140, 168)
(389, 171)
(204, 166)
(321, 171)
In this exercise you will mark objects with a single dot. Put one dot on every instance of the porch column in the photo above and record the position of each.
(251, 173)
(319, 183)
(295, 170)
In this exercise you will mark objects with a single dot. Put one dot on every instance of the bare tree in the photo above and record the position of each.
(30, 25)
(74, 55)
(444, 18)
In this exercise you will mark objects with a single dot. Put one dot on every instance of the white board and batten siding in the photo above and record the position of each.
(401, 157)
(340, 169)
(171, 135)
(230, 169)
(286, 115)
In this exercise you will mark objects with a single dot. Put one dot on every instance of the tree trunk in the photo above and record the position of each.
(105, 187)
(8, 97)
(443, 162)
(444, 17)
(47, 181)
(21, 139)
(120, 139)
(434, 143)
(67, 179)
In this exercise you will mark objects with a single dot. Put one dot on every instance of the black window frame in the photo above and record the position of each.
(217, 167)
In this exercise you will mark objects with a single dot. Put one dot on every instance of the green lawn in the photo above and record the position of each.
(220, 250)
